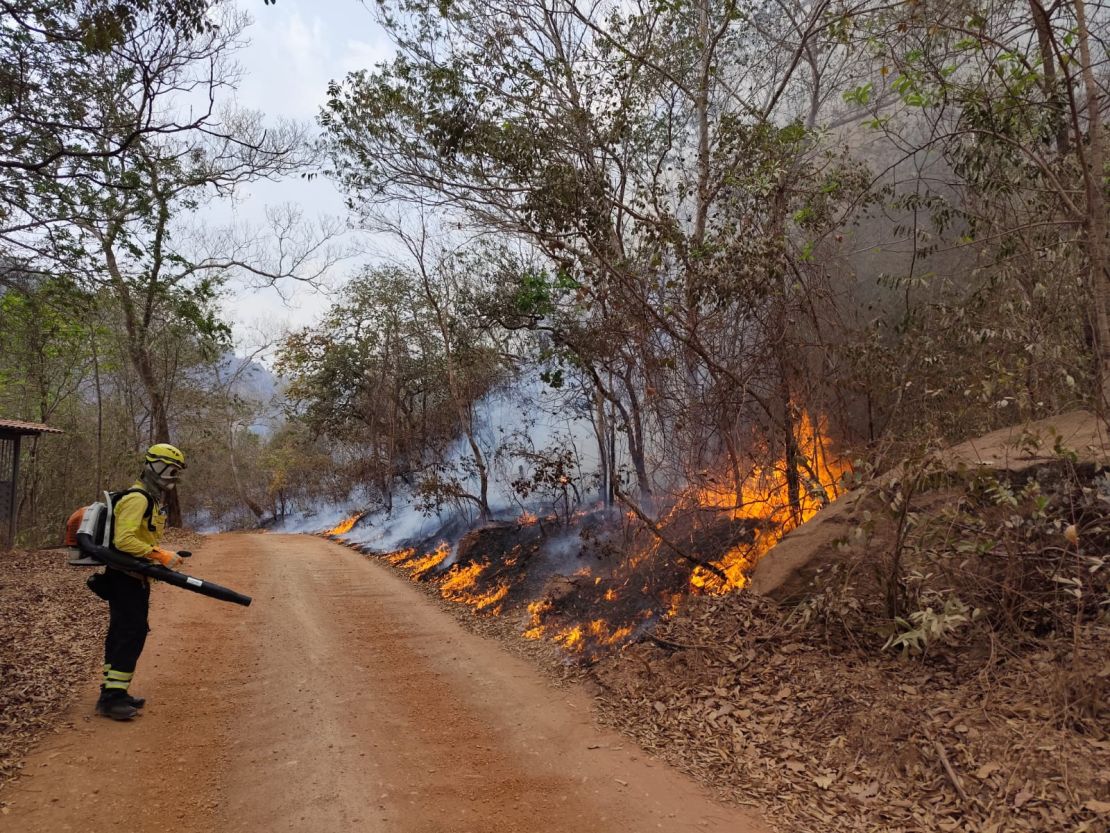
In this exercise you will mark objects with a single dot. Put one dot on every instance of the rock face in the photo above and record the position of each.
(789, 567)
(1019, 447)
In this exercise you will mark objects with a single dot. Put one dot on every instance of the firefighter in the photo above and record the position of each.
(139, 519)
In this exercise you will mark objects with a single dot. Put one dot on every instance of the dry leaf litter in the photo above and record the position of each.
(51, 643)
(852, 740)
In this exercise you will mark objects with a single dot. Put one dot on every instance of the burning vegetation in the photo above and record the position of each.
(763, 501)
(600, 577)
(343, 527)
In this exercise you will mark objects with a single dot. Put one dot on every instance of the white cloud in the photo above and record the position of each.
(361, 54)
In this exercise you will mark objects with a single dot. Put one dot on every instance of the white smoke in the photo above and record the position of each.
(526, 413)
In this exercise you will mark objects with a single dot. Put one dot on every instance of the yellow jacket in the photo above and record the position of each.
(133, 533)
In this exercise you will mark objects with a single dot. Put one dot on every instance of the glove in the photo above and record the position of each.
(170, 560)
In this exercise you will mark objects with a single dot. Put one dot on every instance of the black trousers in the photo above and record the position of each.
(128, 605)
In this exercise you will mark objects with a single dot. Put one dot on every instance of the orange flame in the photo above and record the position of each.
(536, 627)
(459, 587)
(597, 632)
(765, 496)
(418, 566)
(343, 527)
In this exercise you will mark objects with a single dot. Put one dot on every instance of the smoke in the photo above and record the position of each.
(562, 554)
(514, 426)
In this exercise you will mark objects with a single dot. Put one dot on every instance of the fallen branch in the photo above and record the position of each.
(662, 536)
(948, 770)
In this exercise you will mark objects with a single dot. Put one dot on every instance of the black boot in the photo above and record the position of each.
(136, 702)
(115, 703)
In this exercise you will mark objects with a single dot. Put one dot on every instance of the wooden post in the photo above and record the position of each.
(14, 506)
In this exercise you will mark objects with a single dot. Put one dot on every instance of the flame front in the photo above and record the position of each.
(728, 526)
(343, 527)
(764, 497)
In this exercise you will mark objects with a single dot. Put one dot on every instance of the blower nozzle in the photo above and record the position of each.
(122, 561)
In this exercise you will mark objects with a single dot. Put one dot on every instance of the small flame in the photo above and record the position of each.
(343, 527)
(597, 632)
(400, 556)
(537, 610)
(459, 587)
(418, 566)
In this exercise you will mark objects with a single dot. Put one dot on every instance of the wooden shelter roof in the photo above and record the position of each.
(16, 426)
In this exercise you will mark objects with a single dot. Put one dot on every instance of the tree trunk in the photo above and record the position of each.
(793, 481)
(160, 423)
(636, 441)
(139, 353)
(256, 510)
(1095, 220)
(463, 407)
(1048, 61)
(99, 418)
(601, 432)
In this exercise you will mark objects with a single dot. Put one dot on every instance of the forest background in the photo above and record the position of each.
(698, 225)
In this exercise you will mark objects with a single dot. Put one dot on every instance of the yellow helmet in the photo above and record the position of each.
(165, 453)
(164, 462)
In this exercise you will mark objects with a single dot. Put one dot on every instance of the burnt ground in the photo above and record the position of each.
(596, 581)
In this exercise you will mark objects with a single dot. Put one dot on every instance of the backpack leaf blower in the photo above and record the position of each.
(93, 538)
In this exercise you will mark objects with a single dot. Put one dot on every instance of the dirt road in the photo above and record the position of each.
(342, 700)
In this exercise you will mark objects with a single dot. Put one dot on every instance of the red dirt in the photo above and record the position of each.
(342, 700)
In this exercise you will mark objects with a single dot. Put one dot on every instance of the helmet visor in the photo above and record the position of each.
(166, 472)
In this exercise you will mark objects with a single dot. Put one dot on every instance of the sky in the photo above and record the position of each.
(296, 47)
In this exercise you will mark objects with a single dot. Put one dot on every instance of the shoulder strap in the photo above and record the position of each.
(148, 513)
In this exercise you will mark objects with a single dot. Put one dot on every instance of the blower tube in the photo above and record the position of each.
(114, 558)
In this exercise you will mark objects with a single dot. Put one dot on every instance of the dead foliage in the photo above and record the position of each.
(943, 666)
(839, 738)
(51, 642)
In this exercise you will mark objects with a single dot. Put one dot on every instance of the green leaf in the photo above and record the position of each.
(860, 95)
